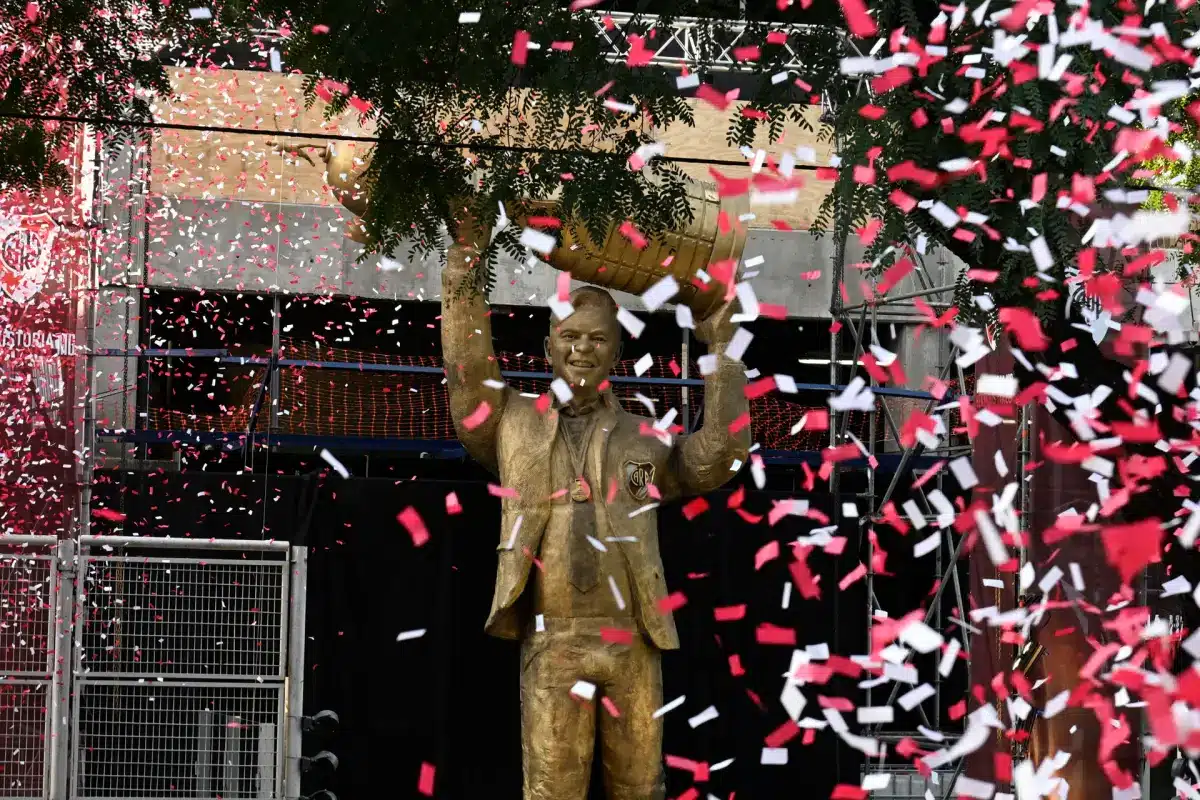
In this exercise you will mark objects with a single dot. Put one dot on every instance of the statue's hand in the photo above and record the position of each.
(299, 149)
(717, 327)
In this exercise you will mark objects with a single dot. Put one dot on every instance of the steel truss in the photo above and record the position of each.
(697, 43)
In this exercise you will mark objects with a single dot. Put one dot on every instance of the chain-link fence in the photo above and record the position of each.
(150, 669)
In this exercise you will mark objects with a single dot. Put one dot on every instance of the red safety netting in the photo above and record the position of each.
(354, 403)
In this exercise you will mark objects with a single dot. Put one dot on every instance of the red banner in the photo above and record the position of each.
(44, 252)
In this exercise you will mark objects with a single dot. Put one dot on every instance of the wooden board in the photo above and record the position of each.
(245, 166)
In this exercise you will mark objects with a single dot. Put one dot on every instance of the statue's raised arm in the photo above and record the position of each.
(707, 459)
(473, 382)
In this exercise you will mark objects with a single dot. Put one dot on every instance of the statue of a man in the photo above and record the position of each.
(580, 580)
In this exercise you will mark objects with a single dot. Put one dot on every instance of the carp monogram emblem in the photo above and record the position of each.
(25, 245)
(638, 477)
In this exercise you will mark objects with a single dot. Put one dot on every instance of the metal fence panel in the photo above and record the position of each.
(184, 617)
(150, 669)
(28, 583)
(25, 726)
(147, 740)
(29, 580)
(908, 784)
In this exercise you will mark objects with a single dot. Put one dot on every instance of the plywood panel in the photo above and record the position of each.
(707, 139)
(214, 165)
(236, 166)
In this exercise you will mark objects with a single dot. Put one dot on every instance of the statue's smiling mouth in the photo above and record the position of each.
(581, 364)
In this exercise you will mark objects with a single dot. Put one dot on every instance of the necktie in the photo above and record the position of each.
(583, 560)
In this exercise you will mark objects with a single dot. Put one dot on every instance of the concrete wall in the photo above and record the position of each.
(301, 249)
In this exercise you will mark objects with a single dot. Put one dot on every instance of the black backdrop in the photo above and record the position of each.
(450, 698)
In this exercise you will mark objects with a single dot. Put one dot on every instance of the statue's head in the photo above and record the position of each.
(583, 348)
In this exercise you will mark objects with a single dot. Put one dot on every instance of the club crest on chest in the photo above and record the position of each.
(638, 477)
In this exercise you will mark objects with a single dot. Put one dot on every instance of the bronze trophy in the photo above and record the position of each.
(582, 478)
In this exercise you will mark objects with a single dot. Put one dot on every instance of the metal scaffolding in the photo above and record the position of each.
(855, 328)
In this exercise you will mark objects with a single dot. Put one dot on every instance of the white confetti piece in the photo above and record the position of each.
(200, 13)
(876, 781)
(1178, 585)
(704, 716)
(774, 756)
(413, 634)
(793, 700)
(683, 317)
(616, 593)
(738, 344)
(914, 697)
(949, 657)
(749, 303)
(538, 241)
(997, 385)
(1052, 576)
(921, 637)
(874, 715)
(660, 293)
(643, 364)
(562, 391)
(687, 81)
(991, 538)
(333, 462)
(927, 545)
(964, 473)
(972, 787)
(630, 322)
(583, 690)
(669, 707)
(1055, 705)
(469, 17)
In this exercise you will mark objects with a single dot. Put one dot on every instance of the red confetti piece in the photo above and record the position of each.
(452, 504)
(735, 666)
(672, 602)
(852, 576)
(425, 781)
(858, 20)
(694, 508)
(714, 98)
(617, 635)
(108, 514)
(1131, 548)
(634, 236)
(478, 416)
(768, 552)
(520, 48)
(729, 613)
(767, 633)
(415, 526)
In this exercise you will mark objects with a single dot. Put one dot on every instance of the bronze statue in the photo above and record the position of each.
(580, 580)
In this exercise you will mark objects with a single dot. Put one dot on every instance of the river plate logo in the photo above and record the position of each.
(638, 477)
(26, 242)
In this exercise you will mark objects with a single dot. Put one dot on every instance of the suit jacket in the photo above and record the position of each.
(515, 441)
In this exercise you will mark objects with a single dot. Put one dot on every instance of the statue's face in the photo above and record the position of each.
(583, 348)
